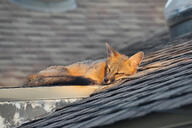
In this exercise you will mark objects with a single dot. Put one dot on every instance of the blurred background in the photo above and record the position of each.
(32, 38)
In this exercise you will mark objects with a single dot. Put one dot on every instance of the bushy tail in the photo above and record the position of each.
(38, 80)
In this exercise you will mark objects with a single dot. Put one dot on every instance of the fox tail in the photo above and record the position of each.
(38, 80)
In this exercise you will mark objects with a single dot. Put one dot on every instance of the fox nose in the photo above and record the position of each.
(105, 80)
(108, 81)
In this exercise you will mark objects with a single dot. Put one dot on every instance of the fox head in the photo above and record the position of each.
(119, 66)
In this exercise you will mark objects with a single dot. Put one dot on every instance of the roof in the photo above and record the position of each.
(162, 83)
(32, 40)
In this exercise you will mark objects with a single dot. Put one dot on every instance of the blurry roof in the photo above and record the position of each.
(32, 40)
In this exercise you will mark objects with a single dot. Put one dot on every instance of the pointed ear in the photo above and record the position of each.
(136, 59)
(110, 51)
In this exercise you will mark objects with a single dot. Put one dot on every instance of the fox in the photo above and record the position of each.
(115, 67)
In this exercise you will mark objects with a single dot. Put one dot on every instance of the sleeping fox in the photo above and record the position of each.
(105, 71)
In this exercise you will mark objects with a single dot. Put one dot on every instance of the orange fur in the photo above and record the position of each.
(116, 66)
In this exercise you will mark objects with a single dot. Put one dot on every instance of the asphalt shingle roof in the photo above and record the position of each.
(162, 83)
(32, 40)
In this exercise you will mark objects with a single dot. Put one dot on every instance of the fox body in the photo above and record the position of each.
(105, 71)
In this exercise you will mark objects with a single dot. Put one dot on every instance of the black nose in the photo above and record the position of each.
(105, 80)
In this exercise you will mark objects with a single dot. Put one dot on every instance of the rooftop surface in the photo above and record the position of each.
(32, 40)
(162, 83)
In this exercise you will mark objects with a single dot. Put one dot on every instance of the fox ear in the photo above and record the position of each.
(110, 51)
(136, 59)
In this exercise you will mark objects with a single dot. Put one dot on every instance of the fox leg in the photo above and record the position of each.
(54, 71)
